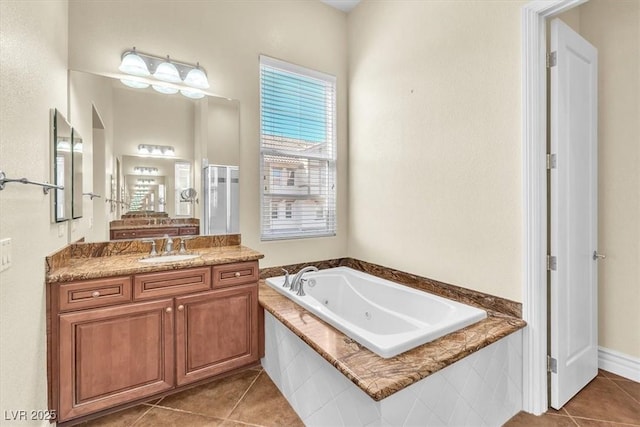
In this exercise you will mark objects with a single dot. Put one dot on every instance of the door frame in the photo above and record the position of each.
(534, 201)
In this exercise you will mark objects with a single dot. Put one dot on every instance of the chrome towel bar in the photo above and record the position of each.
(45, 185)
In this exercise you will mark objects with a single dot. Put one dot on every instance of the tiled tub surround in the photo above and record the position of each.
(80, 261)
(387, 383)
(484, 388)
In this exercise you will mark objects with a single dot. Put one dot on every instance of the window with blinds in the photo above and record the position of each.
(298, 151)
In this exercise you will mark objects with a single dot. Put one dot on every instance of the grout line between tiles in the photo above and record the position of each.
(625, 391)
(573, 420)
(243, 395)
(605, 421)
(143, 415)
(166, 408)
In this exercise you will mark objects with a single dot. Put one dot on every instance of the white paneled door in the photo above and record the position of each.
(574, 215)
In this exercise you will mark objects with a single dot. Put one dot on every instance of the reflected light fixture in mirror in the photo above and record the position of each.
(163, 74)
(156, 150)
(143, 170)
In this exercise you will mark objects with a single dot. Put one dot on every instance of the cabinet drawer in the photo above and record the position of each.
(173, 282)
(94, 293)
(235, 274)
(188, 231)
(139, 233)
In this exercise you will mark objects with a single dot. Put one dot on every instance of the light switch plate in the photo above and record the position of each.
(5, 254)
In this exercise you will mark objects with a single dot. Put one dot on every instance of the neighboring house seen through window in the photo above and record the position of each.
(298, 151)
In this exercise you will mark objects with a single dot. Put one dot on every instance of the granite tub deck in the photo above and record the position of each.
(377, 377)
(81, 261)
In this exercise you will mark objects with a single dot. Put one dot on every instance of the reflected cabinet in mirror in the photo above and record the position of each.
(61, 166)
(163, 144)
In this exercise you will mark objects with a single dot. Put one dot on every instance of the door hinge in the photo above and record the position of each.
(552, 365)
(552, 263)
(551, 161)
(552, 59)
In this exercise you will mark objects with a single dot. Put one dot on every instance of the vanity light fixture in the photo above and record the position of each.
(134, 64)
(167, 72)
(156, 150)
(146, 181)
(165, 75)
(144, 170)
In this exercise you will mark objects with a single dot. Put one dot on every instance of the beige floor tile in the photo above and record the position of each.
(603, 400)
(161, 417)
(215, 399)
(523, 419)
(123, 418)
(583, 422)
(631, 387)
(265, 405)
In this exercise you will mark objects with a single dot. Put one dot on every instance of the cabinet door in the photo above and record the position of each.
(110, 356)
(216, 331)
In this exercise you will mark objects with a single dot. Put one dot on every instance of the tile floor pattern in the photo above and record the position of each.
(607, 401)
(249, 398)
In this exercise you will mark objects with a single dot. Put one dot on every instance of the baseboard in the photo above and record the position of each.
(619, 363)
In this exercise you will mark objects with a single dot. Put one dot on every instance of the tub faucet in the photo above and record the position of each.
(168, 247)
(295, 283)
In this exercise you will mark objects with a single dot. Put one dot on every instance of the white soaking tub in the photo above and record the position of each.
(383, 316)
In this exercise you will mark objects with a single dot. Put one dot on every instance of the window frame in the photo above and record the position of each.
(330, 212)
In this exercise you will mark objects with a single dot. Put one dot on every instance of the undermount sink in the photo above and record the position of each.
(168, 258)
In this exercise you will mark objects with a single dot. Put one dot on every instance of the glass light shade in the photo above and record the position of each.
(143, 149)
(134, 84)
(197, 78)
(167, 72)
(156, 151)
(169, 151)
(133, 64)
(193, 94)
(164, 89)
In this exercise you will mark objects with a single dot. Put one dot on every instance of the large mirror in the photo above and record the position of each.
(61, 170)
(76, 173)
(156, 147)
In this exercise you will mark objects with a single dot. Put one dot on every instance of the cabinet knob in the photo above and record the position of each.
(168, 310)
(180, 307)
(237, 274)
(96, 294)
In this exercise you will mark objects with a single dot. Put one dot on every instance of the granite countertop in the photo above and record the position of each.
(376, 376)
(82, 268)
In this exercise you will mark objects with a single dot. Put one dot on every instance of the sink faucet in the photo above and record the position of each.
(153, 246)
(296, 282)
(168, 247)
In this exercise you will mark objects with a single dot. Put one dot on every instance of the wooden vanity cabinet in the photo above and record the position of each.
(110, 356)
(228, 319)
(132, 337)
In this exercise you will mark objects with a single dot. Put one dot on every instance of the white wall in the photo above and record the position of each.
(227, 39)
(434, 140)
(33, 42)
(614, 29)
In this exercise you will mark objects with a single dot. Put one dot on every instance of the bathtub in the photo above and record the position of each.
(383, 316)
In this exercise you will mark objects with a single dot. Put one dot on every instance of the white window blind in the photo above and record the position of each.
(298, 151)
